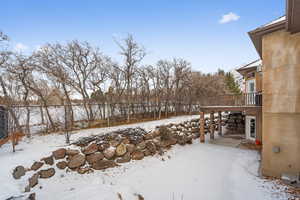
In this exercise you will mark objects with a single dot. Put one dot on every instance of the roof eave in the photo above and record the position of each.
(257, 34)
(247, 70)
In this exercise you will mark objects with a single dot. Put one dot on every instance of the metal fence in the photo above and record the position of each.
(34, 118)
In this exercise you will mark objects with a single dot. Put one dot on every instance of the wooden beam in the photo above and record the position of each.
(220, 123)
(202, 130)
(230, 108)
(212, 126)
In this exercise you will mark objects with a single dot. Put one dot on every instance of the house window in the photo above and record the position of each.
(251, 87)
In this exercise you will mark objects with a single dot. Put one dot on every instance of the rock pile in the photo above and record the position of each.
(100, 152)
(235, 124)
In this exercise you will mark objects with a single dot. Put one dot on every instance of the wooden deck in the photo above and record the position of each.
(209, 109)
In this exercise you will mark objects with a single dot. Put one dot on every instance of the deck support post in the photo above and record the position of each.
(220, 123)
(212, 126)
(202, 128)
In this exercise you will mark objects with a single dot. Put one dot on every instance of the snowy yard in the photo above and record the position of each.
(193, 172)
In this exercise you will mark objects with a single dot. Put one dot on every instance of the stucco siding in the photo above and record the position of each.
(281, 103)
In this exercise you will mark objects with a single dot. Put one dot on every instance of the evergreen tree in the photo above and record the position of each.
(231, 84)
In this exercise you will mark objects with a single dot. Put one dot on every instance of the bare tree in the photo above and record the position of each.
(133, 54)
(165, 74)
(48, 62)
(41, 88)
(80, 70)
(19, 70)
(4, 57)
(82, 61)
(182, 69)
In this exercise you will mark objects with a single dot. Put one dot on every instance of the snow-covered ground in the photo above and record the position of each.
(192, 172)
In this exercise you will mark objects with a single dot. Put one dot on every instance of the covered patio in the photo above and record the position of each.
(252, 110)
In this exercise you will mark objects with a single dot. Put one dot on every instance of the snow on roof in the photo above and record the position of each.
(252, 64)
(280, 19)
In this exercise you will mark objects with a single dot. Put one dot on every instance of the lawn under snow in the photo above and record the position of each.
(191, 172)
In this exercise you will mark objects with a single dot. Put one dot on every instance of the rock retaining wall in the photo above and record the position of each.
(100, 152)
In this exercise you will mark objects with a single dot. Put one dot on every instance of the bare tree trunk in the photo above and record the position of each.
(48, 113)
(70, 105)
(67, 123)
(86, 111)
(28, 121)
(104, 110)
(108, 113)
(42, 115)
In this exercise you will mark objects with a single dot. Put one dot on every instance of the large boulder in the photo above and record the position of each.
(141, 146)
(92, 148)
(61, 165)
(109, 153)
(48, 160)
(135, 139)
(92, 158)
(36, 165)
(76, 161)
(147, 152)
(182, 139)
(18, 172)
(114, 143)
(155, 133)
(189, 139)
(125, 141)
(168, 143)
(84, 170)
(103, 146)
(33, 180)
(72, 152)
(165, 133)
(47, 173)
(121, 149)
(148, 136)
(157, 142)
(59, 153)
(137, 155)
(130, 148)
(124, 159)
(103, 164)
(151, 147)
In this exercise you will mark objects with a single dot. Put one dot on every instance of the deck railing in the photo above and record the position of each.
(245, 99)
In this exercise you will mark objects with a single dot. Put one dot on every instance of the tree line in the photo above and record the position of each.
(79, 70)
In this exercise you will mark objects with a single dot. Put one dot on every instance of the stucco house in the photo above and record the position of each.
(277, 76)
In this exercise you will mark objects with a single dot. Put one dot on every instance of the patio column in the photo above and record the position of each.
(202, 130)
(212, 126)
(220, 123)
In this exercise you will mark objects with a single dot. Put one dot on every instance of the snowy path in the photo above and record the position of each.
(193, 172)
